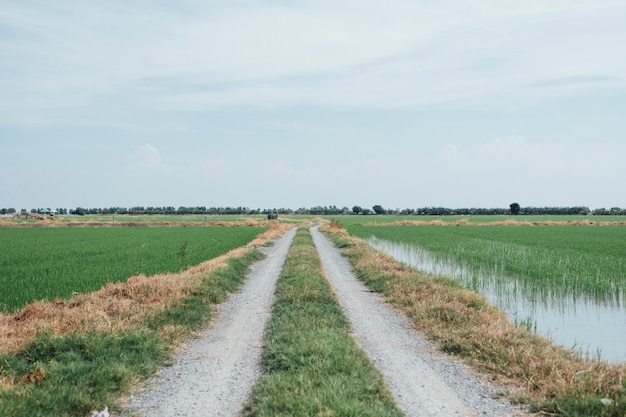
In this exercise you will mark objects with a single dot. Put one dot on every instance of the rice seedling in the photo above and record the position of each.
(567, 282)
(48, 263)
(546, 261)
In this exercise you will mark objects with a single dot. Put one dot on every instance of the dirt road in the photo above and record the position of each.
(216, 371)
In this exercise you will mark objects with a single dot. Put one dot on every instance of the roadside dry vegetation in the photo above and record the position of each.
(62, 222)
(552, 380)
(465, 222)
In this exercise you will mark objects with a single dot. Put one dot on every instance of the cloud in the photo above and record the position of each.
(368, 54)
(145, 157)
(513, 147)
(450, 151)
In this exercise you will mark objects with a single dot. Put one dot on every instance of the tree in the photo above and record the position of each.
(515, 209)
(378, 209)
(357, 210)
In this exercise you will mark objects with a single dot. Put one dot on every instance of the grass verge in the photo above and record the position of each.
(312, 366)
(550, 379)
(71, 372)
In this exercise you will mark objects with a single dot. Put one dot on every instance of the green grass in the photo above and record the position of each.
(48, 263)
(547, 260)
(312, 366)
(71, 376)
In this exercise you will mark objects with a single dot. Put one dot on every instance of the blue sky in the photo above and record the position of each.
(298, 104)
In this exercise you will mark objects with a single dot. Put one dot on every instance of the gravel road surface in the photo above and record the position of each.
(216, 371)
(424, 382)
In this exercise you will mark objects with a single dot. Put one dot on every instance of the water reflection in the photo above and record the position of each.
(589, 326)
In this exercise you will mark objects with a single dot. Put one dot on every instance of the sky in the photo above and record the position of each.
(289, 104)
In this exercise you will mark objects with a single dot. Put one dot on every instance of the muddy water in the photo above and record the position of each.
(594, 328)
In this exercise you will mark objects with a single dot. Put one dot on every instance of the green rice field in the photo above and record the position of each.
(48, 263)
(565, 282)
(550, 260)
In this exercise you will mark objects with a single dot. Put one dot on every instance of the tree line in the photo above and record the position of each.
(513, 209)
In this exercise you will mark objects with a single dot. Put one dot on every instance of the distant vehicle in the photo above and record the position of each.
(272, 215)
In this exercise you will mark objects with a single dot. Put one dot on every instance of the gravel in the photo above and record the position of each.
(423, 382)
(215, 372)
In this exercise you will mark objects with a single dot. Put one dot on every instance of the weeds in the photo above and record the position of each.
(183, 252)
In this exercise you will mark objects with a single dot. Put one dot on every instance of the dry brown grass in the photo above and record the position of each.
(463, 323)
(115, 307)
(512, 222)
(87, 224)
(335, 228)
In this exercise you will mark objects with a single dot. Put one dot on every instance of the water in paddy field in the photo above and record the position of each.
(594, 327)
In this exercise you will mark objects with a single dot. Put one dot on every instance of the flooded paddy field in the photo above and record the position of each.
(563, 282)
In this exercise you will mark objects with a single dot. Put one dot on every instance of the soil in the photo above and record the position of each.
(215, 371)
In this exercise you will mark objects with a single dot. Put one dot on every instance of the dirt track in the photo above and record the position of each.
(215, 371)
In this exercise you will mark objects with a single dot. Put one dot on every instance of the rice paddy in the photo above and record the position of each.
(48, 263)
(565, 282)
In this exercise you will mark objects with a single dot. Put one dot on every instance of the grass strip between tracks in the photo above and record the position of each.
(550, 379)
(72, 374)
(312, 365)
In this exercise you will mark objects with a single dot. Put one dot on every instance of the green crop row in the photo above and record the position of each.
(546, 260)
(44, 264)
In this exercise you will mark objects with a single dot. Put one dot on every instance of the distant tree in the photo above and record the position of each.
(357, 210)
(79, 211)
(515, 209)
(378, 209)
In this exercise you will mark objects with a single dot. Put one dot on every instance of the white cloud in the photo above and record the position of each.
(450, 151)
(146, 156)
(511, 146)
(372, 54)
